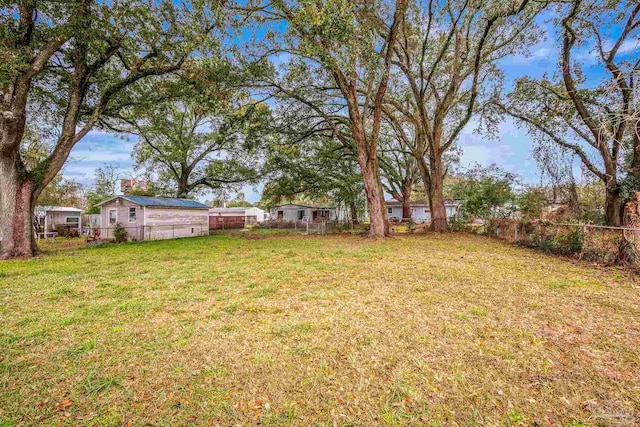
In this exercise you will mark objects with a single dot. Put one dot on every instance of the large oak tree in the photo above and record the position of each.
(65, 66)
(350, 44)
(213, 139)
(589, 107)
(445, 55)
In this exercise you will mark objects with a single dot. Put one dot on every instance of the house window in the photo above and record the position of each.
(426, 211)
(389, 211)
(113, 216)
(301, 214)
(72, 220)
(132, 214)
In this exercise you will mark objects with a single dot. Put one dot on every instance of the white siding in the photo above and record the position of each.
(165, 223)
(257, 212)
(134, 228)
(291, 213)
(394, 212)
(55, 218)
(154, 223)
(419, 213)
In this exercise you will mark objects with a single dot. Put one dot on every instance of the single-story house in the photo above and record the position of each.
(154, 218)
(420, 211)
(296, 212)
(57, 220)
(236, 217)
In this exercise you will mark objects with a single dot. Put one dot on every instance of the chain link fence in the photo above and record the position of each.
(611, 245)
(304, 227)
(141, 233)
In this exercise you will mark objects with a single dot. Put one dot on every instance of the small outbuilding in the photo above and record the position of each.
(236, 217)
(153, 218)
(420, 211)
(296, 212)
(51, 221)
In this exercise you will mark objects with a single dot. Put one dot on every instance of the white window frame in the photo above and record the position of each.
(135, 214)
(303, 212)
(389, 210)
(109, 216)
(66, 220)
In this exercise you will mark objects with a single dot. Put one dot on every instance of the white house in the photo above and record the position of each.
(154, 218)
(420, 211)
(297, 212)
(51, 220)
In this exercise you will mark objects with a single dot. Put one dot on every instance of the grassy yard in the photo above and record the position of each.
(450, 330)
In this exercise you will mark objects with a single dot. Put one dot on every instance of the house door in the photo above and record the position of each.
(113, 220)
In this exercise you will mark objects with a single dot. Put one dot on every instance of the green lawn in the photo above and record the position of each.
(437, 330)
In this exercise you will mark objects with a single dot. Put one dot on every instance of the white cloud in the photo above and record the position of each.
(627, 46)
(95, 150)
(510, 151)
(539, 53)
(102, 155)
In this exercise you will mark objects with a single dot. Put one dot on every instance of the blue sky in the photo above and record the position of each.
(511, 150)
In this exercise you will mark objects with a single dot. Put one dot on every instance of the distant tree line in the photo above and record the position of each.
(336, 101)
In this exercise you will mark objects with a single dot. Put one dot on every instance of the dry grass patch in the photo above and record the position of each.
(450, 330)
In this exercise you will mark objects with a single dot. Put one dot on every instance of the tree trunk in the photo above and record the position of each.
(353, 210)
(406, 200)
(16, 212)
(613, 207)
(436, 196)
(183, 186)
(406, 208)
(574, 205)
(370, 169)
(375, 200)
(635, 162)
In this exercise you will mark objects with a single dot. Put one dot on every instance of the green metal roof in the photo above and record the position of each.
(163, 202)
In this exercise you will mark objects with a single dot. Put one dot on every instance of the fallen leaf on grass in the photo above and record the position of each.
(63, 405)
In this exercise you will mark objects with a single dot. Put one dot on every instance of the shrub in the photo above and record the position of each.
(458, 224)
(570, 243)
(120, 233)
(573, 242)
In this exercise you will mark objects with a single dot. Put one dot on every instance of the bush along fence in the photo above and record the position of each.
(610, 245)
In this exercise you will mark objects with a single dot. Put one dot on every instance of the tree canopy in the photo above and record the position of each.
(594, 119)
(66, 67)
